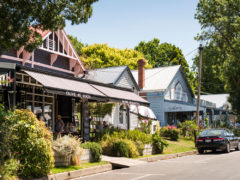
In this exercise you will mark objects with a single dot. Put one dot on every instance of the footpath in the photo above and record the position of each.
(119, 162)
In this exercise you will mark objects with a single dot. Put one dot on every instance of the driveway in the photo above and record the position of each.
(210, 166)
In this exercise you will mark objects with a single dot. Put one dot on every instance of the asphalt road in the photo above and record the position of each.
(210, 166)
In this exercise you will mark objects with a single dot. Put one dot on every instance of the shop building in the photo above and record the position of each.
(49, 81)
(122, 117)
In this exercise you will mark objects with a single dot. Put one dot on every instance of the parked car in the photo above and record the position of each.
(217, 139)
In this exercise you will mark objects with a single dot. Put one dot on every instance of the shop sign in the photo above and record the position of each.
(175, 108)
(80, 95)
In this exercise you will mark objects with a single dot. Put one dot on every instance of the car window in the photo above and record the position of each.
(228, 133)
(212, 132)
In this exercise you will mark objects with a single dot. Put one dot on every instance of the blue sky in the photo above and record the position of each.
(124, 23)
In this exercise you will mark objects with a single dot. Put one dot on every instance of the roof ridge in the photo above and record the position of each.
(111, 67)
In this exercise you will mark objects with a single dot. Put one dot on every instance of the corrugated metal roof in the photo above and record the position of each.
(64, 84)
(220, 100)
(158, 78)
(105, 75)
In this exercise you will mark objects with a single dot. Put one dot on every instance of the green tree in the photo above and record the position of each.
(212, 80)
(165, 54)
(16, 18)
(220, 24)
(101, 56)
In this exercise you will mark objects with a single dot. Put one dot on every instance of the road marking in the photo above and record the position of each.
(142, 176)
(122, 173)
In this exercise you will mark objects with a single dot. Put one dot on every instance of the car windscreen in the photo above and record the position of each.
(212, 132)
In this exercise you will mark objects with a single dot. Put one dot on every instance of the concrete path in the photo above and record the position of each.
(122, 161)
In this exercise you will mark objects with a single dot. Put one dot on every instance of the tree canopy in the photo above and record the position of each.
(165, 54)
(212, 70)
(16, 18)
(220, 24)
(101, 56)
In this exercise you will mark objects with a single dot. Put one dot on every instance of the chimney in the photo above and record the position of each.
(141, 73)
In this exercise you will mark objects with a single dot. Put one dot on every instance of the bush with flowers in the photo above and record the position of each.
(170, 132)
(188, 128)
(25, 145)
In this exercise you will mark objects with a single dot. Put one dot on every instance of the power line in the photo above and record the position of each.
(190, 52)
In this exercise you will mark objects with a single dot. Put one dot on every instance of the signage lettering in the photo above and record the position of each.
(175, 108)
(74, 94)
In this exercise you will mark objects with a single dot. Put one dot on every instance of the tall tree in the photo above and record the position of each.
(220, 24)
(165, 54)
(16, 18)
(101, 55)
(212, 69)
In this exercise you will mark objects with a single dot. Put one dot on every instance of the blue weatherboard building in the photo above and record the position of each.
(171, 97)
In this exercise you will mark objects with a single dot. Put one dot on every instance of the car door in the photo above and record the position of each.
(227, 135)
(235, 139)
(232, 139)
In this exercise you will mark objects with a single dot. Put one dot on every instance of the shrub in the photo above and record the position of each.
(68, 146)
(187, 128)
(95, 148)
(170, 132)
(132, 149)
(31, 142)
(134, 135)
(158, 143)
(120, 148)
(9, 169)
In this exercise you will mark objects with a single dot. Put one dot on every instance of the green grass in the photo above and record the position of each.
(62, 169)
(182, 145)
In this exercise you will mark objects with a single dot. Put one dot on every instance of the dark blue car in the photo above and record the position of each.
(217, 139)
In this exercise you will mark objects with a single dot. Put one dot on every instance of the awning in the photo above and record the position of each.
(124, 96)
(76, 88)
(143, 111)
(64, 86)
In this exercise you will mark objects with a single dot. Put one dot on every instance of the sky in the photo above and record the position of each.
(124, 23)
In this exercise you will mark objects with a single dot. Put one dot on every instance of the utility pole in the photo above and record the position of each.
(199, 83)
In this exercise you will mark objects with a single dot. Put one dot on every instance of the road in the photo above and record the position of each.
(210, 166)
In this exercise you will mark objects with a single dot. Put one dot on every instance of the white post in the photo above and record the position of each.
(53, 41)
(58, 40)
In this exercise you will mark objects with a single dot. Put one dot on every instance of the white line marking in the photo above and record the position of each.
(141, 176)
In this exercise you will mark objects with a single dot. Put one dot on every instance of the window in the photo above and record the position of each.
(178, 94)
(178, 91)
(121, 110)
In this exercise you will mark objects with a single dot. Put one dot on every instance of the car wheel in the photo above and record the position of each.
(200, 151)
(238, 147)
(227, 150)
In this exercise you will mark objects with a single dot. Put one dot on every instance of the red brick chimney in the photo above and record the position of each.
(141, 73)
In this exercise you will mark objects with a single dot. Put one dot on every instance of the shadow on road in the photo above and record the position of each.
(217, 152)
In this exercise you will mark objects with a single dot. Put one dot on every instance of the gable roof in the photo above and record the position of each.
(221, 100)
(63, 39)
(159, 79)
(109, 75)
